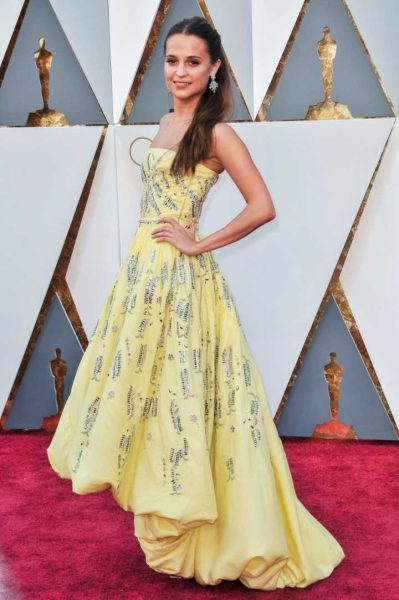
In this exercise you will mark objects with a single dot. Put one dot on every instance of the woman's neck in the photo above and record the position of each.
(184, 110)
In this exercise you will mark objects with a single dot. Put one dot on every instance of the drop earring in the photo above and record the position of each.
(213, 84)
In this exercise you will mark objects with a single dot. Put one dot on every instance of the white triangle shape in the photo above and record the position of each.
(317, 173)
(272, 22)
(130, 26)
(86, 26)
(370, 274)
(378, 25)
(10, 10)
(41, 180)
(95, 258)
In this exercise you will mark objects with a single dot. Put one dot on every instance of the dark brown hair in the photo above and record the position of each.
(211, 108)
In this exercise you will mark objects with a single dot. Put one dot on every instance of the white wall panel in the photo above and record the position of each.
(87, 29)
(378, 25)
(10, 10)
(95, 258)
(41, 180)
(272, 22)
(130, 24)
(370, 276)
(317, 173)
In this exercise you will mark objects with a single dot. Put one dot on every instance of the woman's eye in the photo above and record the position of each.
(172, 60)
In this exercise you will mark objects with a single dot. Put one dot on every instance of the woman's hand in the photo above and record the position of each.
(183, 239)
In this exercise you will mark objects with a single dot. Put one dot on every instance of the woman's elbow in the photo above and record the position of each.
(263, 211)
(267, 209)
(268, 215)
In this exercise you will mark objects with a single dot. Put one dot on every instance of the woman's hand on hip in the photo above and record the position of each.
(183, 239)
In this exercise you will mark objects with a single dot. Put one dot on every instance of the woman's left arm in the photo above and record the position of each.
(236, 159)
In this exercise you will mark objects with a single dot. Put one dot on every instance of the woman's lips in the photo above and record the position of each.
(182, 83)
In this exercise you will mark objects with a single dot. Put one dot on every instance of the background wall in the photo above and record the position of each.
(322, 277)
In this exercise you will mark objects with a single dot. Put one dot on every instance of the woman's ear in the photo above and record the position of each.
(219, 63)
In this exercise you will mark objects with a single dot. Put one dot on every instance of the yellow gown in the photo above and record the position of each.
(169, 411)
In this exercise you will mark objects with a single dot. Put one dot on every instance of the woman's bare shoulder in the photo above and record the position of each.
(226, 140)
(225, 134)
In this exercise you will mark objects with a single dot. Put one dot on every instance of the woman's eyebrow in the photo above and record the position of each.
(192, 56)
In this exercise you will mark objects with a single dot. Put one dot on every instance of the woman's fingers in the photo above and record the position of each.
(161, 231)
(169, 220)
(173, 232)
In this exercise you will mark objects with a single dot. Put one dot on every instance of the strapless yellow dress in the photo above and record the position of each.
(169, 411)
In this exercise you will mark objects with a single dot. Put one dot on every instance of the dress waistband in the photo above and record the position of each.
(183, 222)
(148, 221)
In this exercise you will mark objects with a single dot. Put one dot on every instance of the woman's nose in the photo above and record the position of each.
(181, 69)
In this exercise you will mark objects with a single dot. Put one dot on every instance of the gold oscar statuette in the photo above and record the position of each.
(328, 109)
(58, 368)
(332, 429)
(45, 117)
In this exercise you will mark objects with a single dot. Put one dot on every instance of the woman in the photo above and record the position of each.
(167, 408)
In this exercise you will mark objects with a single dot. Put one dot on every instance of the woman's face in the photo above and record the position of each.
(187, 65)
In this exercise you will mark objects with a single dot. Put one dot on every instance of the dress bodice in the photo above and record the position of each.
(168, 195)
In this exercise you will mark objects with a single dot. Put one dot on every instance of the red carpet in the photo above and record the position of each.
(58, 545)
